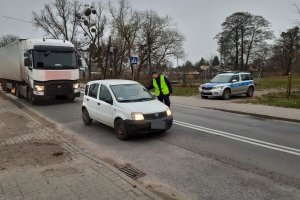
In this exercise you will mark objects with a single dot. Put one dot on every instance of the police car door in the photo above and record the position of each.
(236, 84)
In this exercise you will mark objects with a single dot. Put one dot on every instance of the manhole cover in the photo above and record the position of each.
(131, 171)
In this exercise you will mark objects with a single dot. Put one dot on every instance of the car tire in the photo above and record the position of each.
(250, 92)
(86, 117)
(120, 130)
(226, 94)
(204, 97)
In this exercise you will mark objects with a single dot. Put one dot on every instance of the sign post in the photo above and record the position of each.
(134, 59)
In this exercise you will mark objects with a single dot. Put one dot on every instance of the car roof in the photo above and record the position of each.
(113, 82)
(233, 73)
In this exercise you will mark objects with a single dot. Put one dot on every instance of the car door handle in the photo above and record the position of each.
(87, 99)
(99, 104)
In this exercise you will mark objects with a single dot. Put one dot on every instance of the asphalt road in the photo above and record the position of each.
(207, 154)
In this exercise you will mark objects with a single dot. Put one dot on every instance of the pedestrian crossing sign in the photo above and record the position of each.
(134, 60)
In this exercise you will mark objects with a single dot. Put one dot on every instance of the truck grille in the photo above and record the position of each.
(155, 115)
(58, 89)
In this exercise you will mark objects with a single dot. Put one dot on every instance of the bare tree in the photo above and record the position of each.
(92, 24)
(6, 39)
(59, 19)
(127, 23)
(242, 32)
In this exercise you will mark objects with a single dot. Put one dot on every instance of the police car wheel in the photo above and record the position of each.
(250, 92)
(226, 94)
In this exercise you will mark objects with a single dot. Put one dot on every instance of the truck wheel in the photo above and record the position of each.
(250, 92)
(31, 97)
(86, 117)
(120, 130)
(226, 94)
(17, 90)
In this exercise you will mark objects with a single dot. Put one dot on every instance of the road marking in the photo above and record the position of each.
(248, 140)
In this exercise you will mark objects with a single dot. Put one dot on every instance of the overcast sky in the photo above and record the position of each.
(198, 20)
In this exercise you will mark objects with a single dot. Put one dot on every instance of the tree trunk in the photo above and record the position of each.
(236, 50)
(288, 70)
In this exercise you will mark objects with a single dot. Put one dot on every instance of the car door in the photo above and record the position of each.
(91, 100)
(105, 105)
(236, 84)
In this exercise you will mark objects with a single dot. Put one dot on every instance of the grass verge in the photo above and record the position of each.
(279, 99)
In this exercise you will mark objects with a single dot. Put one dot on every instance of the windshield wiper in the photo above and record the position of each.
(137, 100)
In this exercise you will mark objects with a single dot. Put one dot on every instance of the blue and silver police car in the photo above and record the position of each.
(225, 85)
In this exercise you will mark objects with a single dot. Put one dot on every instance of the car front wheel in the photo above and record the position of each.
(86, 117)
(226, 94)
(120, 129)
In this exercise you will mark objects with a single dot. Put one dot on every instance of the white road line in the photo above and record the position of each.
(241, 138)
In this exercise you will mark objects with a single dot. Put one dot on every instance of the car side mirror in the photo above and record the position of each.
(234, 80)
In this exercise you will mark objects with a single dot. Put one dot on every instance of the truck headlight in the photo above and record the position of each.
(39, 88)
(169, 113)
(137, 116)
(75, 85)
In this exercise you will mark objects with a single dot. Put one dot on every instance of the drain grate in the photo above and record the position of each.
(131, 171)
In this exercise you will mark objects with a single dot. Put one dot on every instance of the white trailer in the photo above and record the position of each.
(40, 69)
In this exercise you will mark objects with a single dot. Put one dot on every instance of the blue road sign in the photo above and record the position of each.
(134, 60)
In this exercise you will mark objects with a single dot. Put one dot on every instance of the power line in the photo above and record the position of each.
(15, 19)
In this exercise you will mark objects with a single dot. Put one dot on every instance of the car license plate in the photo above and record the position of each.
(205, 91)
(158, 124)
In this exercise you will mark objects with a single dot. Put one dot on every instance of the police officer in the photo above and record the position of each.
(162, 88)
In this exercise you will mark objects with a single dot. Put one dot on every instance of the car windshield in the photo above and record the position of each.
(221, 78)
(131, 93)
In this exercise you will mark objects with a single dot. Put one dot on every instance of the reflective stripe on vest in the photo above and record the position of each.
(163, 85)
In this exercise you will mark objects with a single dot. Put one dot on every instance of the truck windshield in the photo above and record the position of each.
(44, 59)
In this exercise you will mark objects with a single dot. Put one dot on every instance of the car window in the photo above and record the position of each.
(86, 89)
(104, 93)
(246, 77)
(93, 90)
(235, 77)
(221, 78)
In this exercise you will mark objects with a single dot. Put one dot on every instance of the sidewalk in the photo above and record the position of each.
(40, 162)
(287, 114)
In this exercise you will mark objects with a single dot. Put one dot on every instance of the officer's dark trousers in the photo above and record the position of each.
(165, 99)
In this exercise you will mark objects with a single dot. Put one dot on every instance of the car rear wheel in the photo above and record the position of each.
(120, 129)
(86, 117)
(250, 92)
(226, 94)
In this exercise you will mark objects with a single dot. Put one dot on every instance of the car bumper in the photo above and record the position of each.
(211, 93)
(146, 126)
(45, 97)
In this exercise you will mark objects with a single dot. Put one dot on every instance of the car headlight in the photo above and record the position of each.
(169, 113)
(39, 88)
(218, 87)
(137, 116)
(75, 85)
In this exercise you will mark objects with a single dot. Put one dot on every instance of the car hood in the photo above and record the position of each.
(145, 107)
(210, 85)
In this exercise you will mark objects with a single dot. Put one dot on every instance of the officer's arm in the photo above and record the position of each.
(150, 87)
(169, 85)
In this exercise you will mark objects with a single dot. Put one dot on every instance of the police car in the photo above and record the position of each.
(225, 85)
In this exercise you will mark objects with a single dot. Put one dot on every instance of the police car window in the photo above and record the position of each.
(235, 77)
(244, 77)
(93, 90)
(104, 93)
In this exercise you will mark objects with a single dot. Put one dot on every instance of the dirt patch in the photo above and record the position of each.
(34, 153)
(17, 128)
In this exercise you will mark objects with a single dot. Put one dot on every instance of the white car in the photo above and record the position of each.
(125, 105)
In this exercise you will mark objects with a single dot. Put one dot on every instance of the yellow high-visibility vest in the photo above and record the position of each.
(163, 86)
